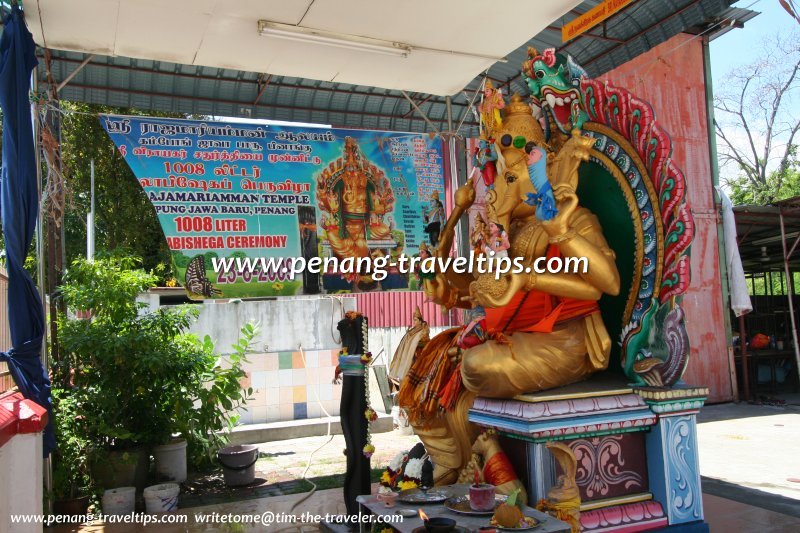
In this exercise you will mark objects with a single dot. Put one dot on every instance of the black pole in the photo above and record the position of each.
(352, 407)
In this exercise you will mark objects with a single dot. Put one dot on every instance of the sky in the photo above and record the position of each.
(742, 46)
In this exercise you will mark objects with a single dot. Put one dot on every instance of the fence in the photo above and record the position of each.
(6, 382)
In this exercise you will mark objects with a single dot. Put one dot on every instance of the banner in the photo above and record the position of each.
(251, 199)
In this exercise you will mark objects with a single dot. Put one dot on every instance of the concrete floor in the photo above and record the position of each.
(749, 453)
(748, 459)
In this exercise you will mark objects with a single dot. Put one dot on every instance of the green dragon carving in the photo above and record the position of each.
(554, 82)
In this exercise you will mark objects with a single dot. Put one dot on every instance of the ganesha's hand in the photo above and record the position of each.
(567, 202)
(465, 195)
(440, 291)
(490, 292)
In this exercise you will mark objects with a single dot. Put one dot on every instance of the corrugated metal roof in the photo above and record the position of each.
(396, 309)
(161, 86)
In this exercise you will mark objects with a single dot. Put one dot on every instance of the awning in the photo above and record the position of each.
(178, 81)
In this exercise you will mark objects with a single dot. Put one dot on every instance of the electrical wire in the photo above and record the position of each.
(329, 417)
(328, 434)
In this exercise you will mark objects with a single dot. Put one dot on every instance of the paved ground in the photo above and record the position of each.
(749, 453)
(746, 451)
(748, 460)
(279, 471)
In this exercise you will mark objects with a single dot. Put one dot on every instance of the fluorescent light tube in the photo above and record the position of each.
(339, 40)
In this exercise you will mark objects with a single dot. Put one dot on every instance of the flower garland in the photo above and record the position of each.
(403, 472)
(369, 412)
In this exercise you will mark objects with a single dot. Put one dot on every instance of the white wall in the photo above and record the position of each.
(285, 387)
(388, 339)
(21, 481)
(285, 323)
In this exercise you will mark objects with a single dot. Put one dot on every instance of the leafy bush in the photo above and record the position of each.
(138, 377)
(70, 464)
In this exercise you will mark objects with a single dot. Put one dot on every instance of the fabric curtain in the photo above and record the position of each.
(740, 294)
(19, 207)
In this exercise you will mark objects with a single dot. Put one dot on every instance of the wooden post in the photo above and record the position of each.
(745, 365)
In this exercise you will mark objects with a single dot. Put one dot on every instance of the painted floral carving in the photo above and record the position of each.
(601, 465)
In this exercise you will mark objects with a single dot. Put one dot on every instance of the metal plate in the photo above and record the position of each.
(461, 505)
(423, 496)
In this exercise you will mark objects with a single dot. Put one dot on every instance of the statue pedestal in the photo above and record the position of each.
(636, 450)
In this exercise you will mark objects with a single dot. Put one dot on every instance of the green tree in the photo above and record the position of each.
(124, 217)
(180, 260)
(757, 121)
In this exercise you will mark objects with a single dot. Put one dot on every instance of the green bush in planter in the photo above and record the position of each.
(70, 459)
(206, 411)
(137, 376)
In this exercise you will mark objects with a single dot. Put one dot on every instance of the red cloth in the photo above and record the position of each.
(537, 311)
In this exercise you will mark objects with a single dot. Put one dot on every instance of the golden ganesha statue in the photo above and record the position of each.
(529, 329)
(532, 331)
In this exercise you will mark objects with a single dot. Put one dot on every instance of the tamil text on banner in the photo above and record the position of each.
(254, 197)
(591, 18)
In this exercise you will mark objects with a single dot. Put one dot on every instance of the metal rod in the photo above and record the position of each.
(656, 24)
(421, 103)
(478, 91)
(47, 466)
(449, 103)
(263, 88)
(790, 293)
(721, 244)
(421, 112)
(90, 217)
(791, 251)
(589, 35)
(74, 73)
(274, 83)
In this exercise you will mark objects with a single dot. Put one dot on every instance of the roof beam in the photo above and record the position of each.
(589, 35)
(273, 82)
(420, 111)
(639, 33)
(267, 106)
(410, 111)
(262, 86)
(74, 73)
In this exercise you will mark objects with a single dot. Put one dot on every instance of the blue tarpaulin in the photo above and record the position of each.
(19, 205)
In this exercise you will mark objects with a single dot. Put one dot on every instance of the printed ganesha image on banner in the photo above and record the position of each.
(239, 202)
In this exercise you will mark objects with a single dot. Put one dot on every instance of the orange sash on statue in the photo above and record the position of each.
(537, 311)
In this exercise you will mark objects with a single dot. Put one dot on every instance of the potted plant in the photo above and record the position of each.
(201, 404)
(71, 482)
(99, 353)
(140, 379)
(205, 407)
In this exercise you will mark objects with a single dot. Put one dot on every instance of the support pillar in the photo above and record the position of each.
(673, 462)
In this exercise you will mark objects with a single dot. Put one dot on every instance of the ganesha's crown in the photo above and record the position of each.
(519, 121)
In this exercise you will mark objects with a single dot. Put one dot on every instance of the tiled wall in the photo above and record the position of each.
(286, 388)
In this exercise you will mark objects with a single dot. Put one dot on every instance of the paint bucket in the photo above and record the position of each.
(171, 461)
(162, 498)
(238, 464)
(119, 501)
